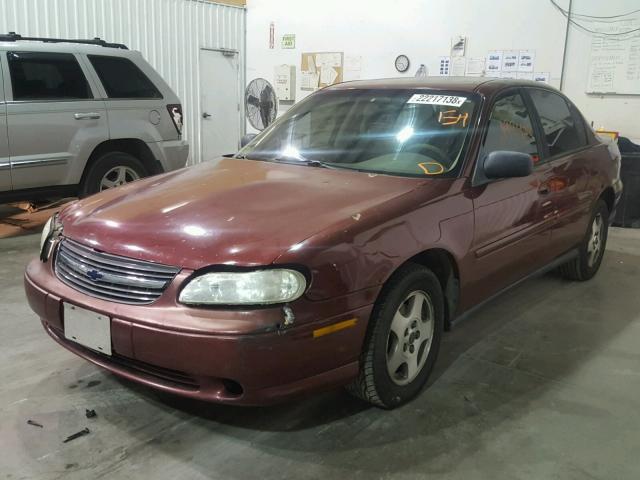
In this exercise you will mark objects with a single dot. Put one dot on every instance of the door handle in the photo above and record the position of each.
(543, 190)
(86, 116)
(206, 115)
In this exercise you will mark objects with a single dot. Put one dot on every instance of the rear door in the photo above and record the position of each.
(5, 165)
(565, 169)
(511, 232)
(54, 120)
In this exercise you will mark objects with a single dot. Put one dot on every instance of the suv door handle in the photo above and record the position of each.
(206, 115)
(86, 116)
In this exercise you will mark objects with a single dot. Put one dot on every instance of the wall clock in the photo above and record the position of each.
(402, 63)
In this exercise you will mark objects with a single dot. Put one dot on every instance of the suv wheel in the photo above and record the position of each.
(591, 250)
(112, 170)
(403, 339)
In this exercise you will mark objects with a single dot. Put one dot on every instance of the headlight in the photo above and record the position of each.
(46, 231)
(51, 229)
(245, 288)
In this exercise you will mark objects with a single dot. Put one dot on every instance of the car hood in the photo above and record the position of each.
(229, 211)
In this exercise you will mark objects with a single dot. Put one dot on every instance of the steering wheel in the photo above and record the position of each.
(439, 155)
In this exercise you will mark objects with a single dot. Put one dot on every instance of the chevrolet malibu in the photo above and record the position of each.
(335, 247)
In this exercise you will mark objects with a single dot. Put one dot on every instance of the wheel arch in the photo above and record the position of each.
(445, 267)
(609, 197)
(132, 146)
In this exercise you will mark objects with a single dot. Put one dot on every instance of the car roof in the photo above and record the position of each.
(61, 47)
(483, 85)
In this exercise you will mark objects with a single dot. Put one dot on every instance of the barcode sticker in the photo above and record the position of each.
(430, 99)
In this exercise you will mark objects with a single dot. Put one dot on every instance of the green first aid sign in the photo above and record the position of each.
(289, 40)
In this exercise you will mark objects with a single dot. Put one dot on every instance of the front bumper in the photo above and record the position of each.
(230, 356)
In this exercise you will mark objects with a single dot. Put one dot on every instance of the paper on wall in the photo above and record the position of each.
(475, 66)
(325, 60)
(458, 46)
(494, 63)
(509, 75)
(328, 75)
(352, 67)
(526, 60)
(541, 77)
(458, 66)
(510, 60)
(431, 99)
(443, 69)
(524, 76)
(309, 80)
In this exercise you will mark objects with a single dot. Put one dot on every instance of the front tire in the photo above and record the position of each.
(111, 170)
(403, 339)
(592, 247)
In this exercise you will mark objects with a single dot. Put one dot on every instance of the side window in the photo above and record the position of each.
(121, 78)
(47, 76)
(561, 132)
(510, 128)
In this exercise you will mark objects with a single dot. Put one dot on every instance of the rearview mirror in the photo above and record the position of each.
(506, 164)
(246, 139)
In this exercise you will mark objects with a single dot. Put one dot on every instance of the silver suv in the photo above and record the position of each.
(81, 116)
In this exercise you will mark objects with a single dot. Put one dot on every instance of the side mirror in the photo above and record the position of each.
(505, 164)
(246, 139)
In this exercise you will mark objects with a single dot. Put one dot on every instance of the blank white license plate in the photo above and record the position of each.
(87, 328)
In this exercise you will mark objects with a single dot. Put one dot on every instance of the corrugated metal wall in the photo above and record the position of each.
(169, 33)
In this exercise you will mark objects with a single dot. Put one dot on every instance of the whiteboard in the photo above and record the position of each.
(614, 65)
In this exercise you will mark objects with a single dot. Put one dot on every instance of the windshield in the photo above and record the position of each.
(401, 132)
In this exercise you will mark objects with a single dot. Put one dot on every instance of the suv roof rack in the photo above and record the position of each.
(13, 37)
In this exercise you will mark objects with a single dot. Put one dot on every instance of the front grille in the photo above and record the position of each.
(111, 277)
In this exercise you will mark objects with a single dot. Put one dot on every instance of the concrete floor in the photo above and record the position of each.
(543, 383)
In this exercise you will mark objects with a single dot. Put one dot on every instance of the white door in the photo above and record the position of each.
(220, 103)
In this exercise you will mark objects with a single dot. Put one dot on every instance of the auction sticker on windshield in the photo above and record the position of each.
(431, 99)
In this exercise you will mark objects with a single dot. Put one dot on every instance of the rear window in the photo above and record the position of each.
(47, 76)
(561, 130)
(121, 78)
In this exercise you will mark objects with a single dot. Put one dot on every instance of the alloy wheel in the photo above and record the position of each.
(410, 337)
(118, 176)
(594, 244)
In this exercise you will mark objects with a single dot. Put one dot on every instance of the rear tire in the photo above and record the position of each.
(592, 247)
(394, 367)
(111, 170)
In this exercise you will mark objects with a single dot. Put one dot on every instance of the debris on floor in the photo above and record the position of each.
(81, 433)
(90, 413)
(35, 424)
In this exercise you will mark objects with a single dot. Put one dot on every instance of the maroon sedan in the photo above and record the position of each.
(333, 249)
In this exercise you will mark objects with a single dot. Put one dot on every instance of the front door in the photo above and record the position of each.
(5, 164)
(512, 221)
(220, 103)
(52, 116)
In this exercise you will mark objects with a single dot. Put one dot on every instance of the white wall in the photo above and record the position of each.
(379, 30)
(169, 33)
(614, 112)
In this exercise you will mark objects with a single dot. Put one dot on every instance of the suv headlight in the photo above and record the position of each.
(51, 228)
(244, 288)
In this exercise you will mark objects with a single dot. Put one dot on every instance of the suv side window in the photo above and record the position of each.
(562, 133)
(47, 76)
(121, 78)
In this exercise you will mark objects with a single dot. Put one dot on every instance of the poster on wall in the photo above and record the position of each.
(444, 66)
(494, 63)
(510, 60)
(321, 69)
(526, 60)
(541, 77)
(524, 76)
(458, 66)
(458, 46)
(475, 66)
